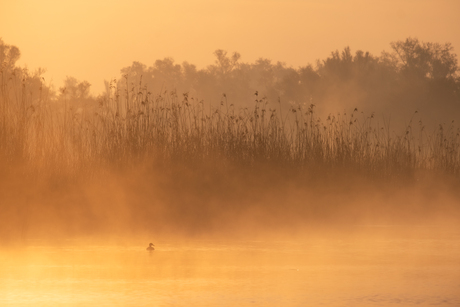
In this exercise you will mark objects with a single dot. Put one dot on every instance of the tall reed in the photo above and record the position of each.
(131, 125)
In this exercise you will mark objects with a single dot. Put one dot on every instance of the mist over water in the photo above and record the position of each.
(213, 201)
(247, 202)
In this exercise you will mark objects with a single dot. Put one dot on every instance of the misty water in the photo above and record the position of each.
(361, 266)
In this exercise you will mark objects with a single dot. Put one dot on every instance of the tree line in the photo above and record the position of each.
(414, 76)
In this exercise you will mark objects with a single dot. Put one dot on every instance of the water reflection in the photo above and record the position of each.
(383, 270)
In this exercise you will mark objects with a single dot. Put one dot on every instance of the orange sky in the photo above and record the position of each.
(93, 39)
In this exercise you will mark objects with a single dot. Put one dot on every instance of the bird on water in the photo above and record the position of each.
(151, 247)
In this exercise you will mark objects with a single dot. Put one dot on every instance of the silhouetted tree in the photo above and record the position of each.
(8, 56)
(413, 76)
(76, 90)
(425, 60)
(225, 64)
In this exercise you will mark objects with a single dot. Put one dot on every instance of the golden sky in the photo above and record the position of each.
(93, 39)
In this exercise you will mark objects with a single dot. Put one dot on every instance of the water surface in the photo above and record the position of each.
(374, 266)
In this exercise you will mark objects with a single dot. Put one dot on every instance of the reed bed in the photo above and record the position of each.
(130, 125)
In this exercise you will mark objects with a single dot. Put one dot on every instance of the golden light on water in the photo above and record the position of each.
(381, 267)
(261, 181)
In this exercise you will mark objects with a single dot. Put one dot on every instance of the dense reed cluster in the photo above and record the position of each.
(131, 125)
